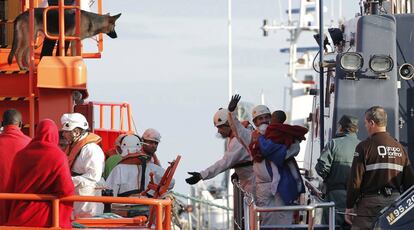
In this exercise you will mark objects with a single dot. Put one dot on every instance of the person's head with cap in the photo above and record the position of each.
(221, 122)
(261, 117)
(348, 124)
(74, 126)
(12, 117)
(151, 138)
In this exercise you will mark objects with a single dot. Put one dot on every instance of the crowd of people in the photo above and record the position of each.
(69, 162)
(360, 177)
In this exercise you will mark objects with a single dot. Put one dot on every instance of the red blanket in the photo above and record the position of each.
(279, 134)
(12, 140)
(285, 134)
(41, 168)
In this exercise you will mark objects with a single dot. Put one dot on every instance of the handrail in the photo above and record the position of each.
(122, 106)
(251, 212)
(62, 35)
(159, 204)
(45, 24)
(201, 201)
(255, 210)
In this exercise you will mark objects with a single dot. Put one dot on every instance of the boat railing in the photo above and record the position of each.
(162, 207)
(204, 212)
(252, 211)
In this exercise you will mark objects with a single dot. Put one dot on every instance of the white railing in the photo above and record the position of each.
(251, 213)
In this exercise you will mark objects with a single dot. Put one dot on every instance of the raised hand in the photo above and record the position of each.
(195, 177)
(233, 102)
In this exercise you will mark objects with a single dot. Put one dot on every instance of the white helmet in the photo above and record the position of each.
(152, 135)
(119, 139)
(260, 110)
(71, 121)
(220, 118)
(130, 143)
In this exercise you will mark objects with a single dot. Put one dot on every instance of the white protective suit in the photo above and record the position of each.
(266, 185)
(234, 154)
(89, 166)
(127, 177)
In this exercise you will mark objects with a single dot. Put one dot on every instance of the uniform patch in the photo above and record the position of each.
(356, 154)
(390, 152)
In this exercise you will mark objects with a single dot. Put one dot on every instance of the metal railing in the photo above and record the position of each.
(61, 37)
(124, 111)
(251, 213)
(197, 219)
(163, 207)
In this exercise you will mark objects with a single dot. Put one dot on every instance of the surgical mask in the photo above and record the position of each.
(218, 135)
(262, 128)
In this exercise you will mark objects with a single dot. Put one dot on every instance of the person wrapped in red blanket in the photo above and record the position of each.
(279, 133)
(41, 168)
(268, 147)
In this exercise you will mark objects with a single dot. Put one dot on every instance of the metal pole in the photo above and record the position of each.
(31, 70)
(199, 217)
(262, 97)
(209, 217)
(61, 28)
(246, 220)
(190, 222)
(321, 79)
(332, 218)
(230, 49)
(55, 213)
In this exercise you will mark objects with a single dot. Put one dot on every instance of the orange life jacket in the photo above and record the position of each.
(132, 159)
(72, 151)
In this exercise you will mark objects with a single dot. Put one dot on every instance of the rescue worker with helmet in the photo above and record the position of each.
(235, 157)
(334, 166)
(86, 162)
(268, 180)
(132, 174)
(380, 171)
(151, 138)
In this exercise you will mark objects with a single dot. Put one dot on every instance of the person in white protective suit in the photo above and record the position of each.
(235, 157)
(266, 172)
(86, 161)
(132, 175)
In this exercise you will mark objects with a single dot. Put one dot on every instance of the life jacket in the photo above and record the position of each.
(72, 151)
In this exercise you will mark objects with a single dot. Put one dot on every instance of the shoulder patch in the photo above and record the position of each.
(356, 154)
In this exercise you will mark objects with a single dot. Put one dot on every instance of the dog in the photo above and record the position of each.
(91, 24)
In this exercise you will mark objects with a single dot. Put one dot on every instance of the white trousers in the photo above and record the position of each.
(265, 198)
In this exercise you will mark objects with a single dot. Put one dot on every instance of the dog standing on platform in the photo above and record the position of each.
(91, 24)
